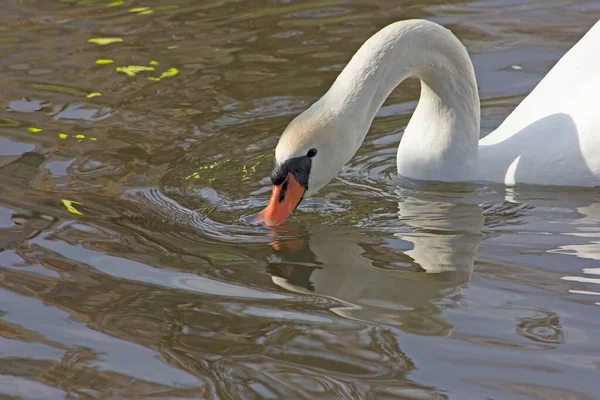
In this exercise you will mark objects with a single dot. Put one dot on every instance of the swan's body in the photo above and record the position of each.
(551, 138)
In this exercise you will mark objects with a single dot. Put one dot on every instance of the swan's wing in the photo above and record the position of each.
(558, 123)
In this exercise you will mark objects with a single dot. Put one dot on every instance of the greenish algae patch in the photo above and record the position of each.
(224, 257)
(9, 123)
(59, 89)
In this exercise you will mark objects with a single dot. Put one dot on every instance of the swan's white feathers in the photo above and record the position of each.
(551, 138)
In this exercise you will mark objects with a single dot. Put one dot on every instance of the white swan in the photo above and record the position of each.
(551, 138)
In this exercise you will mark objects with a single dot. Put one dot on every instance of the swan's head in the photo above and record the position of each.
(311, 152)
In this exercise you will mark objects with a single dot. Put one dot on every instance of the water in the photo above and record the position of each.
(129, 261)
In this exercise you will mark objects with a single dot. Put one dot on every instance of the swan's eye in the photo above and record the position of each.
(311, 153)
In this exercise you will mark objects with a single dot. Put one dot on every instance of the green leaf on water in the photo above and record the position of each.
(69, 206)
(152, 62)
(63, 135)
(9, 123)
(79, 136)
(93, 139)
(59, 89)
(103, 41)
(94, 94)
(34, 129)
(104, 61)
(138, 9)
(115, 3)
(168, 73)
(133, 70)
(172, 47)
(224, 257)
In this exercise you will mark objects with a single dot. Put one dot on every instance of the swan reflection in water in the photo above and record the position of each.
(439, 236)
(407, 279)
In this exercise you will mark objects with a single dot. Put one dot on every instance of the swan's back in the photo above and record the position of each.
(553, 136)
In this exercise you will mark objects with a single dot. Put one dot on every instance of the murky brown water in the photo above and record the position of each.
(130, 267)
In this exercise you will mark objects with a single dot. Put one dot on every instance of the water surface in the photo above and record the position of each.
(136, 141)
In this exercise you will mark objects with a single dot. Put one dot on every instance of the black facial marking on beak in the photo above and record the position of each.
(299, 167)
(299, 201)
(283, 190)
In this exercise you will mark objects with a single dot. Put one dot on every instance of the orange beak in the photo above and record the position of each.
(284, 200)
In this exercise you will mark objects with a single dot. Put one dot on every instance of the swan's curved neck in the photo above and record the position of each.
(442, 136)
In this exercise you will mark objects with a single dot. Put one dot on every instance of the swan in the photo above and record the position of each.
(551, 138)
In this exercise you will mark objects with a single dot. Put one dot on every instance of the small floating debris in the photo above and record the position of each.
(152, 62)
(104, 61)
(172, 47)
(133, 70)
(195, 175)
(34, 129)
(141, 10)
(224, 257)
(517, 67)
(94, 94)
(63, 135)
(247, 172)
(69, 206)
(103, 41)
(167, 74)
(115, 3)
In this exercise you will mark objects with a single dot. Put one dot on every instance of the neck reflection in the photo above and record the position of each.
(405, 280)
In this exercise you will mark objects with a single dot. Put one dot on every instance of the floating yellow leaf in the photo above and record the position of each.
(63, 135)
(115, 3)
(146, 12)
(94, 94)
(195, 175)
(153, 62)
(172, 47)
(93, 139)
(102, 41)
(138, 9)
(132, 70)
(79, 136)
(103, 61)
(34, 130)
(69, 206)
(168, 73)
